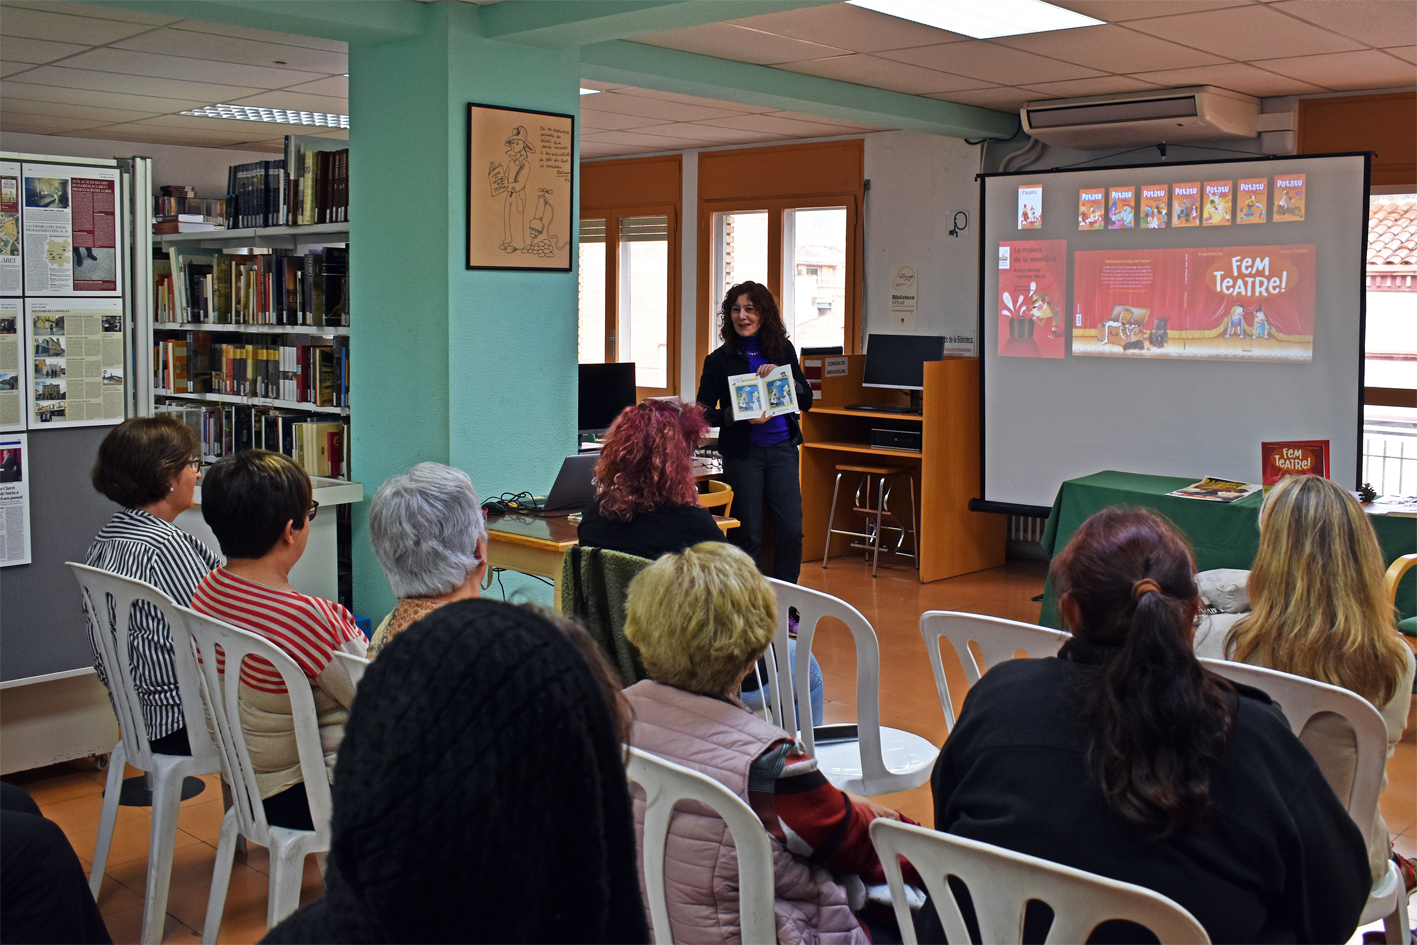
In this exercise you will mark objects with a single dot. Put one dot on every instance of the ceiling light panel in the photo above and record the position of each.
(282, 116)
(982, 19)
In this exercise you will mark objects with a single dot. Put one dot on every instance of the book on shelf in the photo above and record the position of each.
(164, 294)
(309, 290)
(256, 194)
(319, 180)
(193, 362)
(318, 443)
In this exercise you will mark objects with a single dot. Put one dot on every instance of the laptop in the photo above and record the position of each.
(574, 486)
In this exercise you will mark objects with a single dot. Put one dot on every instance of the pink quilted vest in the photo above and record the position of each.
(700, 864)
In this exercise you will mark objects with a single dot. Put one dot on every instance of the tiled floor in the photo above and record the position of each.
(70, 794)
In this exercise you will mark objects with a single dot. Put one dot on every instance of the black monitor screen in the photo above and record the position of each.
(899, 360)
(605, 390)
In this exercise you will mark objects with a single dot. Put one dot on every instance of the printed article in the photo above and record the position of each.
(71, 225)
(12, 379)
(11, 273)
(14, 500)
(76, 361)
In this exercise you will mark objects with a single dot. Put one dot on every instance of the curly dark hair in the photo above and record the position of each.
(648, 458)
(771, 330)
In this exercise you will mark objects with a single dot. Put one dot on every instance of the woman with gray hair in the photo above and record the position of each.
(429, 534)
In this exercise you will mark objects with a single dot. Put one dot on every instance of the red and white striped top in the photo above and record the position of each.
(309, 629)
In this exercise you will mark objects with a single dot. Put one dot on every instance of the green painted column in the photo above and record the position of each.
(473, 368)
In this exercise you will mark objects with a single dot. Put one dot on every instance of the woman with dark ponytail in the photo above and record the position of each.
(1124, 757)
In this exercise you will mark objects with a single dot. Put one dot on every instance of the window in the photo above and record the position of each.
(629, 272)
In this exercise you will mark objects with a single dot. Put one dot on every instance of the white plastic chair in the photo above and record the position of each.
(247, 818)
(998, 639)
(665, 784)
(354, 665)
(1001, 883)
(1300, 699)
(111, 639)
(864, 758)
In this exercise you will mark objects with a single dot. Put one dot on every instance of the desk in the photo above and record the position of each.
(1224, 534)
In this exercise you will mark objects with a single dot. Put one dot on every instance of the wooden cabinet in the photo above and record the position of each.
(953, 540)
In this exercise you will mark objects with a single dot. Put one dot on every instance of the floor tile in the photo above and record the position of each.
(127, 925)
(191, 866)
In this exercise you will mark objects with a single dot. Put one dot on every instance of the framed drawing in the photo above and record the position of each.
(520, 173)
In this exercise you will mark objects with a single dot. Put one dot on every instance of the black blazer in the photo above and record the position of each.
(728, 360)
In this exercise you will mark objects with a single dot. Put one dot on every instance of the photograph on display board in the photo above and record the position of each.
(11, 262)
(75, 364)
(14, 500)
(1251, 303)
(1033, 295)
(12, 374)
(70, 230)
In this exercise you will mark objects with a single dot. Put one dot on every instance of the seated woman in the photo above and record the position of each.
(148, 465)
(701, 619)
(429, 534)
(1319, 609)
(647, 503)
(1124, 757)
(481, 793)
(259, 505)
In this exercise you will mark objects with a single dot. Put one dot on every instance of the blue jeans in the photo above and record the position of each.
(753, 698)
(765, 482)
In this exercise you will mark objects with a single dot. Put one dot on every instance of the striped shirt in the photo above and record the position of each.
(308, 629)
(135, 544)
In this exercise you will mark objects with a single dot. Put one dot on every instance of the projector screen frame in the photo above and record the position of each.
(985, 504)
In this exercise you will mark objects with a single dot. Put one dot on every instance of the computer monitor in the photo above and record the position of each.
(899, 360)
(604, 391)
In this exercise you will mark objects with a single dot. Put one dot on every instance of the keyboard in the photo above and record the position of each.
(885, 408)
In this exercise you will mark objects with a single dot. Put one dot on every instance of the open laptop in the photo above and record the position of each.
(574, 486)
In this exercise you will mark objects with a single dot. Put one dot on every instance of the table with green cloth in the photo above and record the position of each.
(1224, 534)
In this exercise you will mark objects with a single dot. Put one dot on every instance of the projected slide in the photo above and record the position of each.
(1242, 303)
(1033, 295)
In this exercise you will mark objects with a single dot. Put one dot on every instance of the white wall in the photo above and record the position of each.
(203, 168)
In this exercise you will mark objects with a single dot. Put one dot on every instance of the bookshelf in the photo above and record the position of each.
(953, 540)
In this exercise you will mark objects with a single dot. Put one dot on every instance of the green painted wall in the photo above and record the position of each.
(472, 368)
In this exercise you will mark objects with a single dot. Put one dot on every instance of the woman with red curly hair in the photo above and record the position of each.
(647, 502)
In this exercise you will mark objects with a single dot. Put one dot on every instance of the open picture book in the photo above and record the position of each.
(754, 396)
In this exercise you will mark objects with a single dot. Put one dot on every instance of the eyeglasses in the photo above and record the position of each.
(195, 463)
(314, 507)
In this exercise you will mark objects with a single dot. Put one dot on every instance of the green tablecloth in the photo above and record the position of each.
(1224, 534)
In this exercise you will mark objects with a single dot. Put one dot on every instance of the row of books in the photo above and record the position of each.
(253, 289)
(256, 194)
(194, 363)
(319, 445)
(319, 180)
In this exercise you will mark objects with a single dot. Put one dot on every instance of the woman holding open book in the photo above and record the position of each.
(759, 454)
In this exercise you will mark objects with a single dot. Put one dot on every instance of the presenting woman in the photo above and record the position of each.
(148, 465)
(759, 454)
(1123, 756)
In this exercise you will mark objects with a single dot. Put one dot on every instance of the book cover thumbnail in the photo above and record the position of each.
(1288, 198)
(1211, 489)
(1090, 201)
(1252, 201)
(1293, 458)
(1033, 298)
(1121, 208)
(1186, 204)
(1219, 195)
(1153, 206)
(1030, 207)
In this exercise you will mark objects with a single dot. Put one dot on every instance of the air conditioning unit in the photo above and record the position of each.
(1198, 113)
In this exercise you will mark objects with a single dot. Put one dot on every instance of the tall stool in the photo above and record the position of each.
(882, 479)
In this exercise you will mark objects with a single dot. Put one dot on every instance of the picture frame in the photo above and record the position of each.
(520, 193)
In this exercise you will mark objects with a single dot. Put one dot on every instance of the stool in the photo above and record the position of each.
(883, 479)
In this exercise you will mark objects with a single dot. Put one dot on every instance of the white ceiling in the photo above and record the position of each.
(100, 72)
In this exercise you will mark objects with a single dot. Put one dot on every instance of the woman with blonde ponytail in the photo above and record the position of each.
(1123, 756)
(1319, 610)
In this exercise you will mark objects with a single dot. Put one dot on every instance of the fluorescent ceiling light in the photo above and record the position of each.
(281, 116)
(590, 91)
(982, 19)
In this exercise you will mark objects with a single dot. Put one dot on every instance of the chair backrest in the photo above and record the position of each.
(812, 606)
(354, 665)
(665, 784)
(1300, 699)
(718, 496)
(1395, 571)
(1002, 882)
(594, 585)
(108, 600)
(211, 638)
(998, 639)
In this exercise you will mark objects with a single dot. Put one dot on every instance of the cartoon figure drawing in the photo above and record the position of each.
(748, 399)
(56, 253)
(1041, 307)
(516, 172)
(777, 393)
(1261, 329)
(1236, 322)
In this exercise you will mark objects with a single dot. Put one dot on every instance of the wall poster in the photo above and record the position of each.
(71, 225)
(11, 273)
(12, 378)
(75, 364)
(14, 499)
(520, 174)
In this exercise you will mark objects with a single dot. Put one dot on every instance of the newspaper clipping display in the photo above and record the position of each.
(11, 275)
(12, 379)
(76, 361)
(14, 499)
(71, 225)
